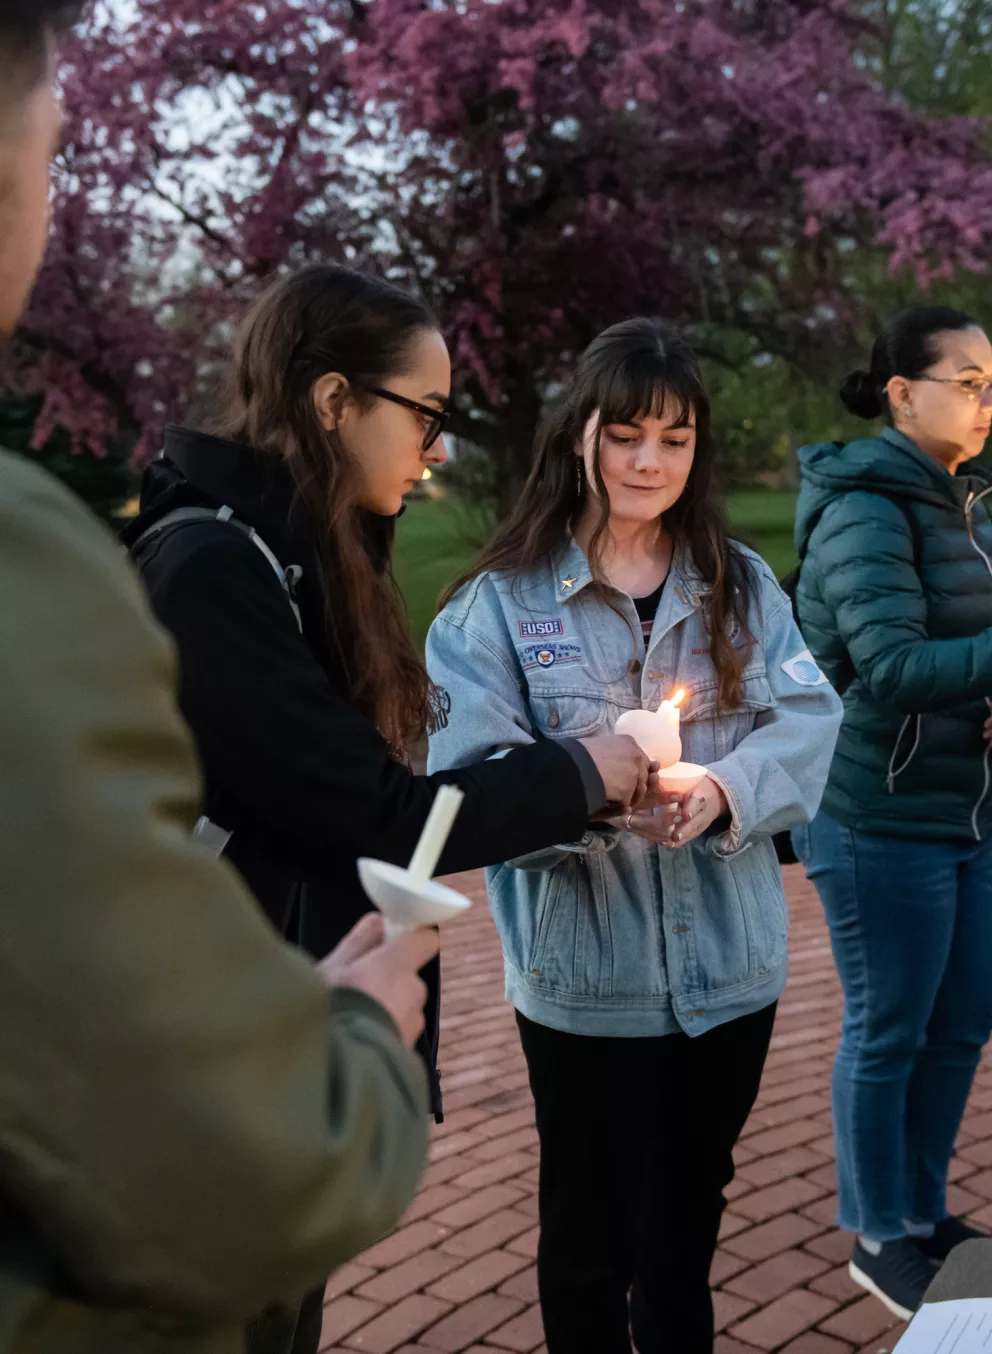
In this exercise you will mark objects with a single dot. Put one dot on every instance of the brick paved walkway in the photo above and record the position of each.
(458, 1274)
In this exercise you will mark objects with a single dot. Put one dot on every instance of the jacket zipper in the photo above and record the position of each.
(969, 505)
(893, 769)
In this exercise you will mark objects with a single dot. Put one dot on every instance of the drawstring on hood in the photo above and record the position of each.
(893, 769)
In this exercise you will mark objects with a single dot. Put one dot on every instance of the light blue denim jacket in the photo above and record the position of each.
(613, 935)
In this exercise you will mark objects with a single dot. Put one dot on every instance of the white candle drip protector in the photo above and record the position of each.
(680, 778)
(408, 898)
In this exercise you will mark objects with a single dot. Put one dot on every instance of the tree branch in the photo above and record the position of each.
(191, 218)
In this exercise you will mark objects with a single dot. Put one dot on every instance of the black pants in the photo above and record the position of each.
(636, 1141)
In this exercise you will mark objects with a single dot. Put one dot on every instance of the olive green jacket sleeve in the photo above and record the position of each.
(188, 1118)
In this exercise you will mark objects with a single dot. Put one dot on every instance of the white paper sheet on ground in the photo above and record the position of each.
(963, 1326)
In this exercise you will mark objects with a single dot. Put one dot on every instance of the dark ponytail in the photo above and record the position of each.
(861, 394)
(906, 348)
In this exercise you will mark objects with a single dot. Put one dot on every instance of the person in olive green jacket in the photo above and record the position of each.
(895, 601)
(196, 1124)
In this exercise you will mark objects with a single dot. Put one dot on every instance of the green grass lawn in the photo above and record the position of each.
(436, 541)
(764, 519)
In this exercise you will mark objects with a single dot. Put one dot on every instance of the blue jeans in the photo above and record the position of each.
(911, 929)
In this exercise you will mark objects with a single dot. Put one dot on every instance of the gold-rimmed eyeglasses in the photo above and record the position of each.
(975, 387)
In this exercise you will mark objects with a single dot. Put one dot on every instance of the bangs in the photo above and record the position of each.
(643, 386)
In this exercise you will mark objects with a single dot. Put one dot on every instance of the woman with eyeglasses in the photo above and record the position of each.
(895, 601)
(265, 545)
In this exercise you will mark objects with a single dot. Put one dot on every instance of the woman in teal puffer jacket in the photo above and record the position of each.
(895, 599)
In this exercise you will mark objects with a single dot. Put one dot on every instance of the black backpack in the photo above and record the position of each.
(790, 586)
(211, 835)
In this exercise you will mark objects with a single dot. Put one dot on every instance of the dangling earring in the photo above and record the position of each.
(578, 477)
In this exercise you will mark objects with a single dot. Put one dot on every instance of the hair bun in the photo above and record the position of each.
(860, 394)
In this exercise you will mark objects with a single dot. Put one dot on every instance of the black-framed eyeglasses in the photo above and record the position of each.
(975, 387)
(437, 419)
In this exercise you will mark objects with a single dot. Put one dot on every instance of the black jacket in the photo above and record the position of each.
(303, 779)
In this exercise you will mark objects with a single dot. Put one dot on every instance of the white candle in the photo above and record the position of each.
(443, 813)
(670, 711)
(656, 731)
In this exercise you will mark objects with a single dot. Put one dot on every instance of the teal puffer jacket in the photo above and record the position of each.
(900, 619)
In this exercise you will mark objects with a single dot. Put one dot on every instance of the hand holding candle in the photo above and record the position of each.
(683, 816)
(409, 898)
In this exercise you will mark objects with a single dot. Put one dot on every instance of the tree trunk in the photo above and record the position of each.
(517, 453)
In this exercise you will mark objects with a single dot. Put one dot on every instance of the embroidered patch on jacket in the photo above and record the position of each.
(541, 629)
(549, 655)
(803, 669)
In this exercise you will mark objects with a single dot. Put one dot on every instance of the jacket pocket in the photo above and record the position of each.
(907, 747)
(573, 951)
(709, 735)
(548, 905)
(766, 913)
(568, 714)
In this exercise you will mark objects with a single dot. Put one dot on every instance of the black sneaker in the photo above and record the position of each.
(947, 1234)
(899, 1275)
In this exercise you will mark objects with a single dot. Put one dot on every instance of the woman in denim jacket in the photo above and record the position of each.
(645, 960)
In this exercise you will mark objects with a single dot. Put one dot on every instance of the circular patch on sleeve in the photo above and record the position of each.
(804, 670)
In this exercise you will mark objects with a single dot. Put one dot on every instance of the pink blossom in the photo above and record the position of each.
(537, 168)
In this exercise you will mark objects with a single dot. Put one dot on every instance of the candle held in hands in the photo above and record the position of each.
(656, 731)
(681, 778)
(408, 898)
(443, 813)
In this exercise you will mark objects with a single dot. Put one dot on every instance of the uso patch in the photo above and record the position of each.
(540, 629)
(549, 655)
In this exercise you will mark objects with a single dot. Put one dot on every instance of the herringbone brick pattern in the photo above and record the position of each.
(457, 1276)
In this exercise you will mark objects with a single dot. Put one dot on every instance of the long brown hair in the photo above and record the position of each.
(321, 319)
(630, 371)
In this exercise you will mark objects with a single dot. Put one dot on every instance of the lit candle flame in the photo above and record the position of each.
(679, 697)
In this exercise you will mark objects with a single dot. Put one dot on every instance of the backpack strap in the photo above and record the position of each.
(288, 577)
(209, 834)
